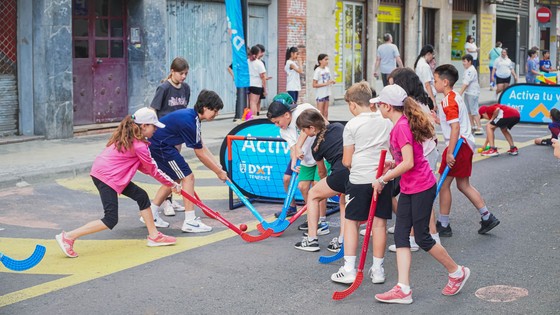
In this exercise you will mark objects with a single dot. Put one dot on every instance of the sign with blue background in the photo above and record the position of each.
(533, 101)
(239, 64)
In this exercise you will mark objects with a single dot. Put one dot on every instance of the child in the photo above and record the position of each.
(532, 67)
(183, 126)
(503, 117)
(293, 69)
(173, 94)
(556, 146)
(322, 83)
(454, 122)
(411, 127)
(112, 172)
(328, 146)
(257, 79)
(365, 135)
(284, 114)
(470, 92)
(554, 128)
(545, 65)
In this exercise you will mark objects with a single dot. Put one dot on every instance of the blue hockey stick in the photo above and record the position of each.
(333, 258)
(21, 265)
(446, 170)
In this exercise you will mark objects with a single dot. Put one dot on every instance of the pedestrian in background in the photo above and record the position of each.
(322, 81)
(532, 67)
(294, 69)
(545, 65)
(503, 70)
(470, 92)
(424, 71)
(257, 80)
(471, 49)
(492, 55)
(388, 58)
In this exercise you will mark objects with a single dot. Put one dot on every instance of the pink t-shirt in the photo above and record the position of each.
(420, 177)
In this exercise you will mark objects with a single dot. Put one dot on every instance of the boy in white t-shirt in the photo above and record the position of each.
(470, 92)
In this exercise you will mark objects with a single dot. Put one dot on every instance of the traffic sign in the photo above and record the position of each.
(544, 14)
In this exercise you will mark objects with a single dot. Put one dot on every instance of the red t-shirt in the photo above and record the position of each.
(509, 112)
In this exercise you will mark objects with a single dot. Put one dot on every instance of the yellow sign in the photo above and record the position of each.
(459, 35)
(486, 43)
(338, 47)
(388, 14)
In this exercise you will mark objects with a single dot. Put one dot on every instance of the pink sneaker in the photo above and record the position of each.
(395, 295)
(454, 285)
(66, 244)
(161, 240)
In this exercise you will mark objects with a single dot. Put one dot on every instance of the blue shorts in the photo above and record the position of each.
(171, 162)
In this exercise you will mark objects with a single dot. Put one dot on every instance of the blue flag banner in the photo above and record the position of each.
(533, 101)
(240, 66)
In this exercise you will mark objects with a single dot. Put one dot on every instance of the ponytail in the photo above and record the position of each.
(418, 120)
(125, 134)
(313, 118)
(289, 52)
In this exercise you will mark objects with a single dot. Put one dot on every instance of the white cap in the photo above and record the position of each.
(391, 94)
(147, 116)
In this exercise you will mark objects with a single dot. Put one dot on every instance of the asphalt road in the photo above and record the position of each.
(220, 273)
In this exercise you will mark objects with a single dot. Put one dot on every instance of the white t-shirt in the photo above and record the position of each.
(322, 75)
(256, 67)
(425, 74)
(291, 135)
(452, 109)
(293, 82)
(471, 46)
(470, 78)
(369, 133)
(387, 54)
(503, 67)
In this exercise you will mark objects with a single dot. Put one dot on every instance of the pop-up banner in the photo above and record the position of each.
(533, 101)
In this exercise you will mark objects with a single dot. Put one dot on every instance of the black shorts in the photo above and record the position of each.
(256, 90)
(358, 201)
(503, 80)
(506, 122)
(396, 186)
(337, 180)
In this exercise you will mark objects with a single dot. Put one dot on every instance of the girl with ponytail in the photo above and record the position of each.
(293, 69)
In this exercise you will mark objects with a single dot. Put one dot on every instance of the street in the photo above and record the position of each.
(219, 273)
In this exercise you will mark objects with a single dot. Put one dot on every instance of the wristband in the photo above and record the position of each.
(381, 181)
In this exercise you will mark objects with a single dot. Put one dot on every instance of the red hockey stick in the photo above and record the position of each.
(291, 220)
(216, 215)
(339, 295)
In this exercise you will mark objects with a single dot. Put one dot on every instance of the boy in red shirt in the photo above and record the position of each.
(503, 117)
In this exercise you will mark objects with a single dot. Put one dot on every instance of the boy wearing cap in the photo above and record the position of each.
(454, 121)
(284, 113)
(183, 126)
(503, 117)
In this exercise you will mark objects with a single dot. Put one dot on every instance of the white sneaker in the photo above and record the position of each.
(413, 248)
(391, 230)
(363, 232)
(177, 206)
(377, 275)
(343, 276)
(158, 221)
(167, 208)
(195, 226)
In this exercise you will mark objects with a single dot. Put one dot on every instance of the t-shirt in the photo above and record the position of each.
(169, 98)
(494, 53)
(256, 67)
(181, 126)
(545, 65)
(471, 46)
(420, 177)
(322, 75)
(504, 111)
(331, 147)
(369, 134)
(470, 77)
(291, 135)
(425, 74)
(503, 67)
(532, 64)
(452, 109)
(293, 82)
(387, 54)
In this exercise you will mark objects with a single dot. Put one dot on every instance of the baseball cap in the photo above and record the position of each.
(391, 94)
(147, 116)
(281, 104)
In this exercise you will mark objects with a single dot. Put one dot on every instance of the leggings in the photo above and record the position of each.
(110, 200)
(414, 210)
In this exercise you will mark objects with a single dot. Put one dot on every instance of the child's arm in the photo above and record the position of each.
(347, 153)
(463, 89)
(299, 144)
(453, 138)
(298, 68)
(149, 167)
(206, 157)
(321, 169)
(406, 164)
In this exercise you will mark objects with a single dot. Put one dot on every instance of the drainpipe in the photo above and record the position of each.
(419, 40)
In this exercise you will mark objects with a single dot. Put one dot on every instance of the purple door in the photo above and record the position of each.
(99, 61)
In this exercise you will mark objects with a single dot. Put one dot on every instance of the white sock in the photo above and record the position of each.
(349, 263)
(436, 238)
(341, 239)
(458, 273)
(190, 215)
(155, 209)
(322, 219)
(412, 241)
(377, 262)
(405, 288)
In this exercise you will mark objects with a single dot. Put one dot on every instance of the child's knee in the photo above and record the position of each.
(110, 220)
(424, 240)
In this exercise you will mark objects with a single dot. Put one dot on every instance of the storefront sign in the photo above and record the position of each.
(533, 101)
(459, 35)
(486, 44)
(388, 14)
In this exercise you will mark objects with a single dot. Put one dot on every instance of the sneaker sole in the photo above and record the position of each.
(412, 249)
(169, 214)
(467, 275)
(395, 301)
(377, 281)
(159, 225)
(491, 155)
(308, 249)
(61, 245)
(333, 250)
(154, 244)
(489, 228)
(343, 281)
(513, 154)
(195, 231)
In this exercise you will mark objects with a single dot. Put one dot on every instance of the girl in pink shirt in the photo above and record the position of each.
(411, 127)
(112, 172)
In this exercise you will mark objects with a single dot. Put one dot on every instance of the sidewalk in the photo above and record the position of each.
(36, 160)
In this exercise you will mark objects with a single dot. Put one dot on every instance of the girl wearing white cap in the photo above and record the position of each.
(112, 172)
(411, 127)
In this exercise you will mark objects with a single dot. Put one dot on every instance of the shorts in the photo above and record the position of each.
(396, 186)
(323, 99)
(337, 181)
(463, 162)
(472, 103)
(358, 202)
(306, 170)
(505, 122)
(503, 80)
(256, 90)
(171, 162)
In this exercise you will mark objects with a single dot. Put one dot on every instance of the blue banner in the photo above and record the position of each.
(533, 101)
(240, 66)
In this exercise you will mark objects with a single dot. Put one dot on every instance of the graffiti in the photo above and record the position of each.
(296, 8)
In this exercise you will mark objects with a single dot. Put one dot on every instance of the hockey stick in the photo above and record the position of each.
(216, 215)
(290, 221)
(28, 263)
(446, 170)
(339, 295)
(333, 258)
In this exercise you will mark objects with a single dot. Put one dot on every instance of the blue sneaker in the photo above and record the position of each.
(322, 229)
(291, 212)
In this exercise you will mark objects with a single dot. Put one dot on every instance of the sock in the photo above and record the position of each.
(349, 263)
(484, 213)
(444, 220)
(404, 288)
(154, 208)
(309, 238)
(377, 262)
(412, 241)
(190, 215)
(458, 273)
(341, 239)
(436, 238)
(322, 219)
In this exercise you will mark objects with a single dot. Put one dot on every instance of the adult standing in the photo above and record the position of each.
(471, 49)
(503, 69)
(492, 56)
(257, 79)
(388, 57)
(424, 71)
